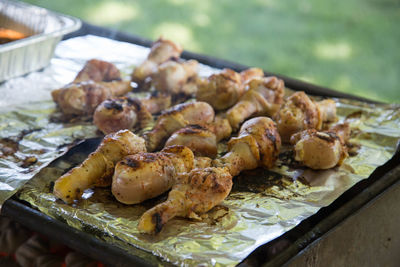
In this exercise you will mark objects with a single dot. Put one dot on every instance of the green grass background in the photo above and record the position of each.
(350, 46)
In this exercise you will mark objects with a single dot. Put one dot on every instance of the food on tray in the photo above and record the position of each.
(321, 149)
(98, 168)
(83, 98)
(199, 139)
(8, 35)
(263, 97)
(221, 90)
(161, 51)
(251, 73)
(257, 145)
(194, 193)
(146, 175)
(300, 112)
(98, 71)
(175, 78)
(175, 118)
(191, 132)
(121, 113)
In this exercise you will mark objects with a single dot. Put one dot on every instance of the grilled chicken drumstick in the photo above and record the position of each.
(83, 98)
(263, 97)
(257, 145)
(161, 51)
(300, 113)
(146, 175)
(221, 90)
(321, 149)
(202, 140)
(194, 193)
(172, 77)
(98, 168)
(175, 118)
(121, 113)
(98, 71)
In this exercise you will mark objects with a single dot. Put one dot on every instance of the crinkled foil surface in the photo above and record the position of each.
(262, 205)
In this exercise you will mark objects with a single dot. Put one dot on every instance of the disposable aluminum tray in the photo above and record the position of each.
(44, 30)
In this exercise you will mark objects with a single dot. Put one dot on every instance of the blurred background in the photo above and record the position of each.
(350, 46)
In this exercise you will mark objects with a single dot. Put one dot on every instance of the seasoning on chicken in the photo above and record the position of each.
(221, 90)
(98, 71)
(98, 168)
(263, 97)
(121, 113)
(194, 193)
(321, 149)
(300, 113)
(172, 77)
(146, 175)
(220, 127)
(200, 140)
(83, 98)
(161, 51)
(257, 145)
(156, 102)
(175, 118)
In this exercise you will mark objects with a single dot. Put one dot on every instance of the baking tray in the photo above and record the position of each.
(274, 253)
(44, 29)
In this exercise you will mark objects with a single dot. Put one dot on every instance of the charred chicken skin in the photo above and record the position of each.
(257, 145)
(300, 113)
(146, 175)
(263, 97)
(320, 150)
(83, 98)
(161, 51)
(172, 77)
(98, 168)
(194, 193)
(122, 113)
(175, 118)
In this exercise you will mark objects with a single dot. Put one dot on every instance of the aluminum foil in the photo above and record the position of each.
(262, 205)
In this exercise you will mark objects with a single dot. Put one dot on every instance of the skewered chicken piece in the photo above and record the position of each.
(83, 98)
(156, 103)
(121, 113)
(195, 193)
(251, 73)
(98, 71)
(257, 145)
(202, 140)
(300, 113)
(321, 149)
(98, 168)
(175, 118)
(221, 90)
(172, 77)
(146, 175)
(263, 97)
(161, 51)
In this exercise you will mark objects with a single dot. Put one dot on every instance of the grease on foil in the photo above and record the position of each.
(263, 204)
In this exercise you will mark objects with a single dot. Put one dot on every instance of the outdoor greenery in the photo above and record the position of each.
(351, 46)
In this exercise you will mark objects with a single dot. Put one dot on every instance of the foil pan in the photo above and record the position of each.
(262, 205)
(43, 28)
